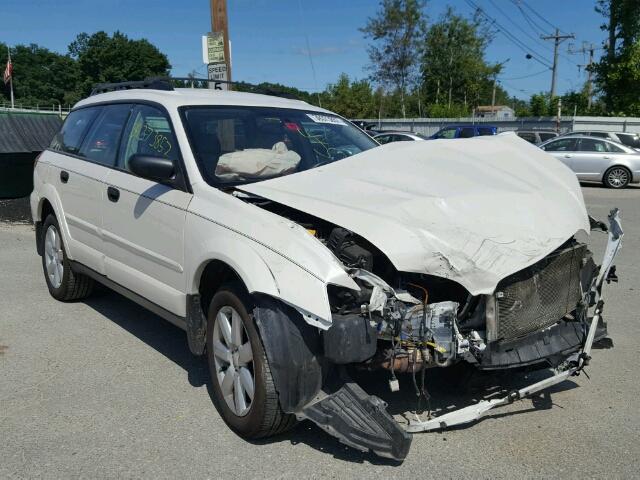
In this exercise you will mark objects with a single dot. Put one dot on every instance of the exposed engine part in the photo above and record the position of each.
(403, 361)
(343, 244)
(350, 339)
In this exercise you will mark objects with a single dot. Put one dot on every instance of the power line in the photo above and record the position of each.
(517, 42)
(532, 23)
(536, 40)
(546, 70)
(554, 27)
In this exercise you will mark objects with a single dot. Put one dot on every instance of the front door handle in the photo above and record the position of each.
(567, 156)
(606, 157)
(64, 176)
(113, 194)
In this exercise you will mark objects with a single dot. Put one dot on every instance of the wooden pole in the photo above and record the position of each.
(220, 23)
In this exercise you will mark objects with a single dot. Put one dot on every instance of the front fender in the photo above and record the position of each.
(261, 268)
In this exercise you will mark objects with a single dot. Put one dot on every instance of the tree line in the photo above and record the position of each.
(417, 68)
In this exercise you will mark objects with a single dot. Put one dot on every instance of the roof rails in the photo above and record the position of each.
(153, 83)
(167, 84)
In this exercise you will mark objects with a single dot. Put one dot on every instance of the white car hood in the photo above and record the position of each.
(473, 210)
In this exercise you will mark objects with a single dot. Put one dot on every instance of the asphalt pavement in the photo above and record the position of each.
(103, 388)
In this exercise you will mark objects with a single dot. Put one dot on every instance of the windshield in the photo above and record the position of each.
(237, 145)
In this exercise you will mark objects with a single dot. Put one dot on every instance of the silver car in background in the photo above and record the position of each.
(626, 138)
(597, 159)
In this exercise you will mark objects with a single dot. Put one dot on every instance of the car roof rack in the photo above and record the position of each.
(167, 84)
(153, 83)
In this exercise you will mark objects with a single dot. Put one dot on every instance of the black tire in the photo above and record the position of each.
(617, 177)
(73, 286)
(265, 417)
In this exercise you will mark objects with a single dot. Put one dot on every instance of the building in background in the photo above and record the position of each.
(497, 112)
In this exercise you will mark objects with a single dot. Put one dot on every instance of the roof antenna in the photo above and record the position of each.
(313, 68)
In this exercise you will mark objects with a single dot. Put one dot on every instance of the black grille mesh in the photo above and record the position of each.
(540, 295)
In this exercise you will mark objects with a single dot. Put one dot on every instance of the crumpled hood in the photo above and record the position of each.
(471, 210)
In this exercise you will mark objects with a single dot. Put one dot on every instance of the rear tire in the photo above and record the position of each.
(617, 177)
(64, 284)
(243, 389)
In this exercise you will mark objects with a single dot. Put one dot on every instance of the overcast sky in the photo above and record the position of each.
(269, 37)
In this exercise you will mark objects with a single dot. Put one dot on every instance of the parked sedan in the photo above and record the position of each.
(611, 163)
(626, 138)
(388, 137)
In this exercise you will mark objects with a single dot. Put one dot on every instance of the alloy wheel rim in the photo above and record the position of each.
(53, 256)
(618, 177)
(233, 358)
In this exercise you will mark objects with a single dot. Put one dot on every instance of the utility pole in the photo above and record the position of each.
(220, 23)
(557, 38)
(586, 49)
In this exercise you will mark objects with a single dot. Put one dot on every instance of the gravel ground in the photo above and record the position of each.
(15, 211)
(103, 388)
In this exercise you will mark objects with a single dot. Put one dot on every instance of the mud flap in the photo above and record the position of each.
(360, 421)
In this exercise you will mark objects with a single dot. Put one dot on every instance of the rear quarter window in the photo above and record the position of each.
(70, 136)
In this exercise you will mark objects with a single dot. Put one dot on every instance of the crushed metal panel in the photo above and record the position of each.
(473, 210)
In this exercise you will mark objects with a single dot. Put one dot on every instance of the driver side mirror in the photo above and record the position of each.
(158, 169)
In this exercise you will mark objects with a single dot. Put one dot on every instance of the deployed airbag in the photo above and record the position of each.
(256, 163)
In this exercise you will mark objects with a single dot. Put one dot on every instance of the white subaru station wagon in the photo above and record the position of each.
(293, 250)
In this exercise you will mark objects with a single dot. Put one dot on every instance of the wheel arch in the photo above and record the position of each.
(618, 165)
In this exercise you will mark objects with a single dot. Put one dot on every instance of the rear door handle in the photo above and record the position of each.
(64, 176)
(113, 194)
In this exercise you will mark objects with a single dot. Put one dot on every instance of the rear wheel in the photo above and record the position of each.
(243, 388)
(617, 177)
(63, 283)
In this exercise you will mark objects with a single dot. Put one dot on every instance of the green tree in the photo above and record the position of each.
(116, 58)
(395, 31)
(40, 76)
(539, 105)
(350, 99)
(453, 66)
(618, 71)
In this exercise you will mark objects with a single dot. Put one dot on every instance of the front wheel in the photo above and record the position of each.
(617, 177)
(243, 388)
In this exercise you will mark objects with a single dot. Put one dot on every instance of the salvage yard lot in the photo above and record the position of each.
(103, 388)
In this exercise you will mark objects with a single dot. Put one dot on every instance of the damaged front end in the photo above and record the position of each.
(546, 315)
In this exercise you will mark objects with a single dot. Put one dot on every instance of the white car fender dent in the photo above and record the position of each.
(277, 258)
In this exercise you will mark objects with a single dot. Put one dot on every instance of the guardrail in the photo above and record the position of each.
(52, 110)
(429, 126)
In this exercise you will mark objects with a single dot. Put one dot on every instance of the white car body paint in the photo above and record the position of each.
(472, 210)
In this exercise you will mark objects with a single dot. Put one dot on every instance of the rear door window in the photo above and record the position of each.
(529, 137)
(592, 145)
(383, 139)
(598, 134)
(613, 148)
(101, 143)
(546, 136)
(467, 132)
(70, 136)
